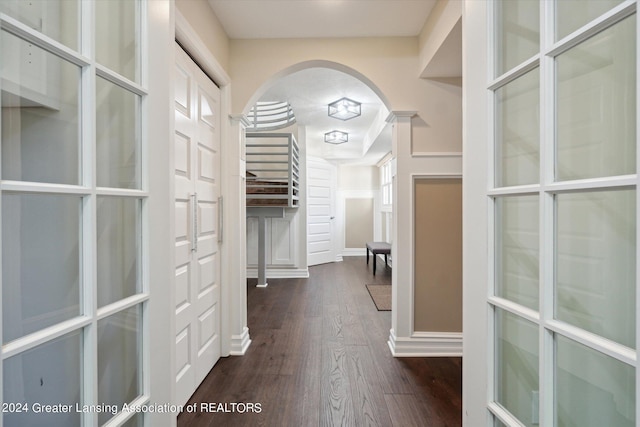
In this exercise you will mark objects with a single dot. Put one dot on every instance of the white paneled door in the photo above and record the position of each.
(197, 256)
(321, 178)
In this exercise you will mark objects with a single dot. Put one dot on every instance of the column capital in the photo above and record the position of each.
(395, 115)
(240, 119)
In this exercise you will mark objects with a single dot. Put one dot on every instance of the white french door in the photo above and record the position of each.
(197, 188)
(321, 177)
(560, 192)
(73, 194)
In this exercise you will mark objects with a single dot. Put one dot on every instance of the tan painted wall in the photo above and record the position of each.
(206, 24)
(389, 64)
(358, 222)
(438, 255)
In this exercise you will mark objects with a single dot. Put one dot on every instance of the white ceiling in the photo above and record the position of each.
(310, 91)
(246, 19)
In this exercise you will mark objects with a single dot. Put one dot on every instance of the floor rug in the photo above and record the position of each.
(381, 296)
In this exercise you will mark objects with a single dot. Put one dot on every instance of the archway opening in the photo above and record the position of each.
(345, 210)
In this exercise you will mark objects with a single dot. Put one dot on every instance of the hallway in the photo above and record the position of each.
(319, 356)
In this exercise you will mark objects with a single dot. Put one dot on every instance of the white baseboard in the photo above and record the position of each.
(354, 252)
(280, 273)
(240, 343)
(426, 344)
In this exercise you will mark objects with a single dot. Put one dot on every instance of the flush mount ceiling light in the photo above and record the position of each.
(344, 109)
(336, 137)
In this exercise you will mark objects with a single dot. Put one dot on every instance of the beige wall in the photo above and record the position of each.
(358, 222)
(358, 177)
(442, 19)
(440, 57)
(206, 24)
(356, 188)
(390, 65)
(438, 255)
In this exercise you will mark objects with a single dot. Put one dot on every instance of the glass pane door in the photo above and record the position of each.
(563, 295)
(72, 213)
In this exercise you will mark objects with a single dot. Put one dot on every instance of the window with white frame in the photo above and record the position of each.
(73, 194)
(386, 183)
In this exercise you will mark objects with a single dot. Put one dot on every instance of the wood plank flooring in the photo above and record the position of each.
(319, 357)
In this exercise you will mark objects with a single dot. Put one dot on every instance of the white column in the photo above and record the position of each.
(235, 339)
(402, 244)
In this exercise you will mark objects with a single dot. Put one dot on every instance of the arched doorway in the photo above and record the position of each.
(321, 225)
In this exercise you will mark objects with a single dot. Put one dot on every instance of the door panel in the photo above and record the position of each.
(197, 177)
(320, 208)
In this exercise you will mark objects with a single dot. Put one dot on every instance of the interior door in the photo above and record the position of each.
(321, 177)
(197, 188)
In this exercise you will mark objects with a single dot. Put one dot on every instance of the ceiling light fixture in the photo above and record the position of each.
(345, 109)
(336, 137)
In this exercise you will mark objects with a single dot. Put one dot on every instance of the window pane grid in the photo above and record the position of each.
(516, 370)
(502, 417)
(595, 105)
(610, 348)
(515, 308)
(23, 31)
(591, 388)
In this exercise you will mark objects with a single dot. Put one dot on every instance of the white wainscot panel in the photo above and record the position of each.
(252, 241)
(283, 242)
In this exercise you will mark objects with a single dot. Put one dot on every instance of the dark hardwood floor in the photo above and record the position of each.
(319, 357)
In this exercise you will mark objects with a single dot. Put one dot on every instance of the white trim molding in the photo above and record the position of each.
(192, 43)
(426, 344)
(396, 114)
(354, 252)
(436, 154)
(280, 273)
(240, 343)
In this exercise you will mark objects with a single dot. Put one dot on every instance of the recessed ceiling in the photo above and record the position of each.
(258, 19)
(310, 91)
